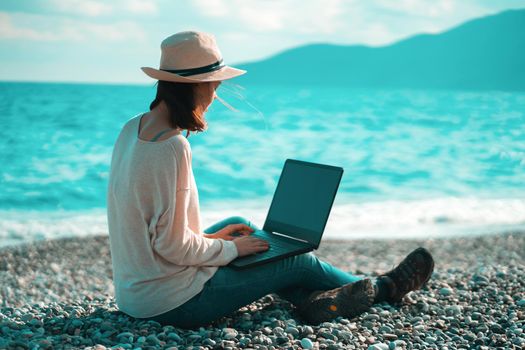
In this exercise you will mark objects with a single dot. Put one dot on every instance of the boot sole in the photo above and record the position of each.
(349, 301)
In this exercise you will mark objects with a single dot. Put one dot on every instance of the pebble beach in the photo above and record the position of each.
(58, 294)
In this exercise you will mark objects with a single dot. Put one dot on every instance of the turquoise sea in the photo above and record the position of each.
(417, 163)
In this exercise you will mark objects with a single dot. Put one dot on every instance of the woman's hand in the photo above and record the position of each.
(227, 232)
(250, 245)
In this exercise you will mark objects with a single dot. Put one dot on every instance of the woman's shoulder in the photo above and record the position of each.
(180, 143)
(128, 127)
(132, 120)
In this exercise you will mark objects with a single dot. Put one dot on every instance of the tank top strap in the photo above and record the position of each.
(159, 134)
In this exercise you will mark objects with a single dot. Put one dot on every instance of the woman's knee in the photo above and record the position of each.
(239, 220)
(308, 257)
(228, 221)
(300, 261)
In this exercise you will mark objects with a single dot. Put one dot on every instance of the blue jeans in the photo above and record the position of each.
(292, 279)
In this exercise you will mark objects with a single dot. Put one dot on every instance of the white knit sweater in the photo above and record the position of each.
(160, 257)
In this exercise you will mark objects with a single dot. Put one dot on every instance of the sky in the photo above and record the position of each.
(108, 41)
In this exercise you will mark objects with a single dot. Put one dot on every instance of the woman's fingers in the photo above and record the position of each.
(251, 245)
(241, 233)
(239, 227)
(262, 243)
(260, 246)
(256, 239)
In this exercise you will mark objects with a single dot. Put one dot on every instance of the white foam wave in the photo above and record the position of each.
(26, 226)
(441, 217)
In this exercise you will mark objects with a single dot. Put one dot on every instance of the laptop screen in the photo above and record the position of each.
(303, 200)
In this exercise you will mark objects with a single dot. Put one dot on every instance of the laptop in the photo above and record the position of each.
(298, 212)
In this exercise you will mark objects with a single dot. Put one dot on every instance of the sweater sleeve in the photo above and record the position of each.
(172, 238)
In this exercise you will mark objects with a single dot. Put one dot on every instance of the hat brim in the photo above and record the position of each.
(224, 73)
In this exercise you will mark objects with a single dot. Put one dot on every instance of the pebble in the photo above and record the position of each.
(385, 329)
(209, 342)
(481, 280)
(292, 330)
(125, 337)
(77, 323)
(307, 343)
(345, 335)
(308, 330)
(267, 330)
(430, 340)
(174, 336)
(141, 340)
(416, 320)
(372, 317)
(445, 291)
(244, 341)
(327, 335)
(476, 315)
(152, 339)
(368, 324)
(423, 307)
(453, 310)
(420, 327)
(400, 343)
(229, 333)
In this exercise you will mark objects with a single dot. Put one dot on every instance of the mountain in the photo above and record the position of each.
(484, 53)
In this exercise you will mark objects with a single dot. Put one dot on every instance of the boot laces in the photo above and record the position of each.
(406, 275)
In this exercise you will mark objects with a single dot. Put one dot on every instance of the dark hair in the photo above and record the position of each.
(180, 100)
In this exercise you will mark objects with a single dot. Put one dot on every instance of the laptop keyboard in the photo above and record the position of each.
(276, 245)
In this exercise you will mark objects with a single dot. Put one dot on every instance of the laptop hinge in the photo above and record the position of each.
(295, 238)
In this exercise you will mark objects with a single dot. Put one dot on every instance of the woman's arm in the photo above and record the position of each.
(231, 232)
(172, 239)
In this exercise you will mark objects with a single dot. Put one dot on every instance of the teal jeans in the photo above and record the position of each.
(292, 279)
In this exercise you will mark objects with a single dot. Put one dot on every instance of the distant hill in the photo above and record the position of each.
(484, 53)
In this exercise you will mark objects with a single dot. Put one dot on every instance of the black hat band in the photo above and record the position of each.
(193, 71)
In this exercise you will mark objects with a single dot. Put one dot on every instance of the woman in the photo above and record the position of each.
(165, 267)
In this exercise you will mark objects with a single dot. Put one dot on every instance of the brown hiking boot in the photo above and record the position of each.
(411, 274)
(349, 300)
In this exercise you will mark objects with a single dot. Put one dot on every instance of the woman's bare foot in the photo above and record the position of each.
(349, 300)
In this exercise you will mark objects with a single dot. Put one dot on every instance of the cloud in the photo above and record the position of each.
(82, 7)
(272, 16)
(141, 6)
(93, 8)
(51, 28)
(419, 8)
(212, 8)
(378, 33)
(10, 31)
(118, 31)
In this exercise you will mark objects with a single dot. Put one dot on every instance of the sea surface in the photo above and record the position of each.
(416, 163)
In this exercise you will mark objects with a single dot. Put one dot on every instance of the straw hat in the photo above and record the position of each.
(191, 57)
